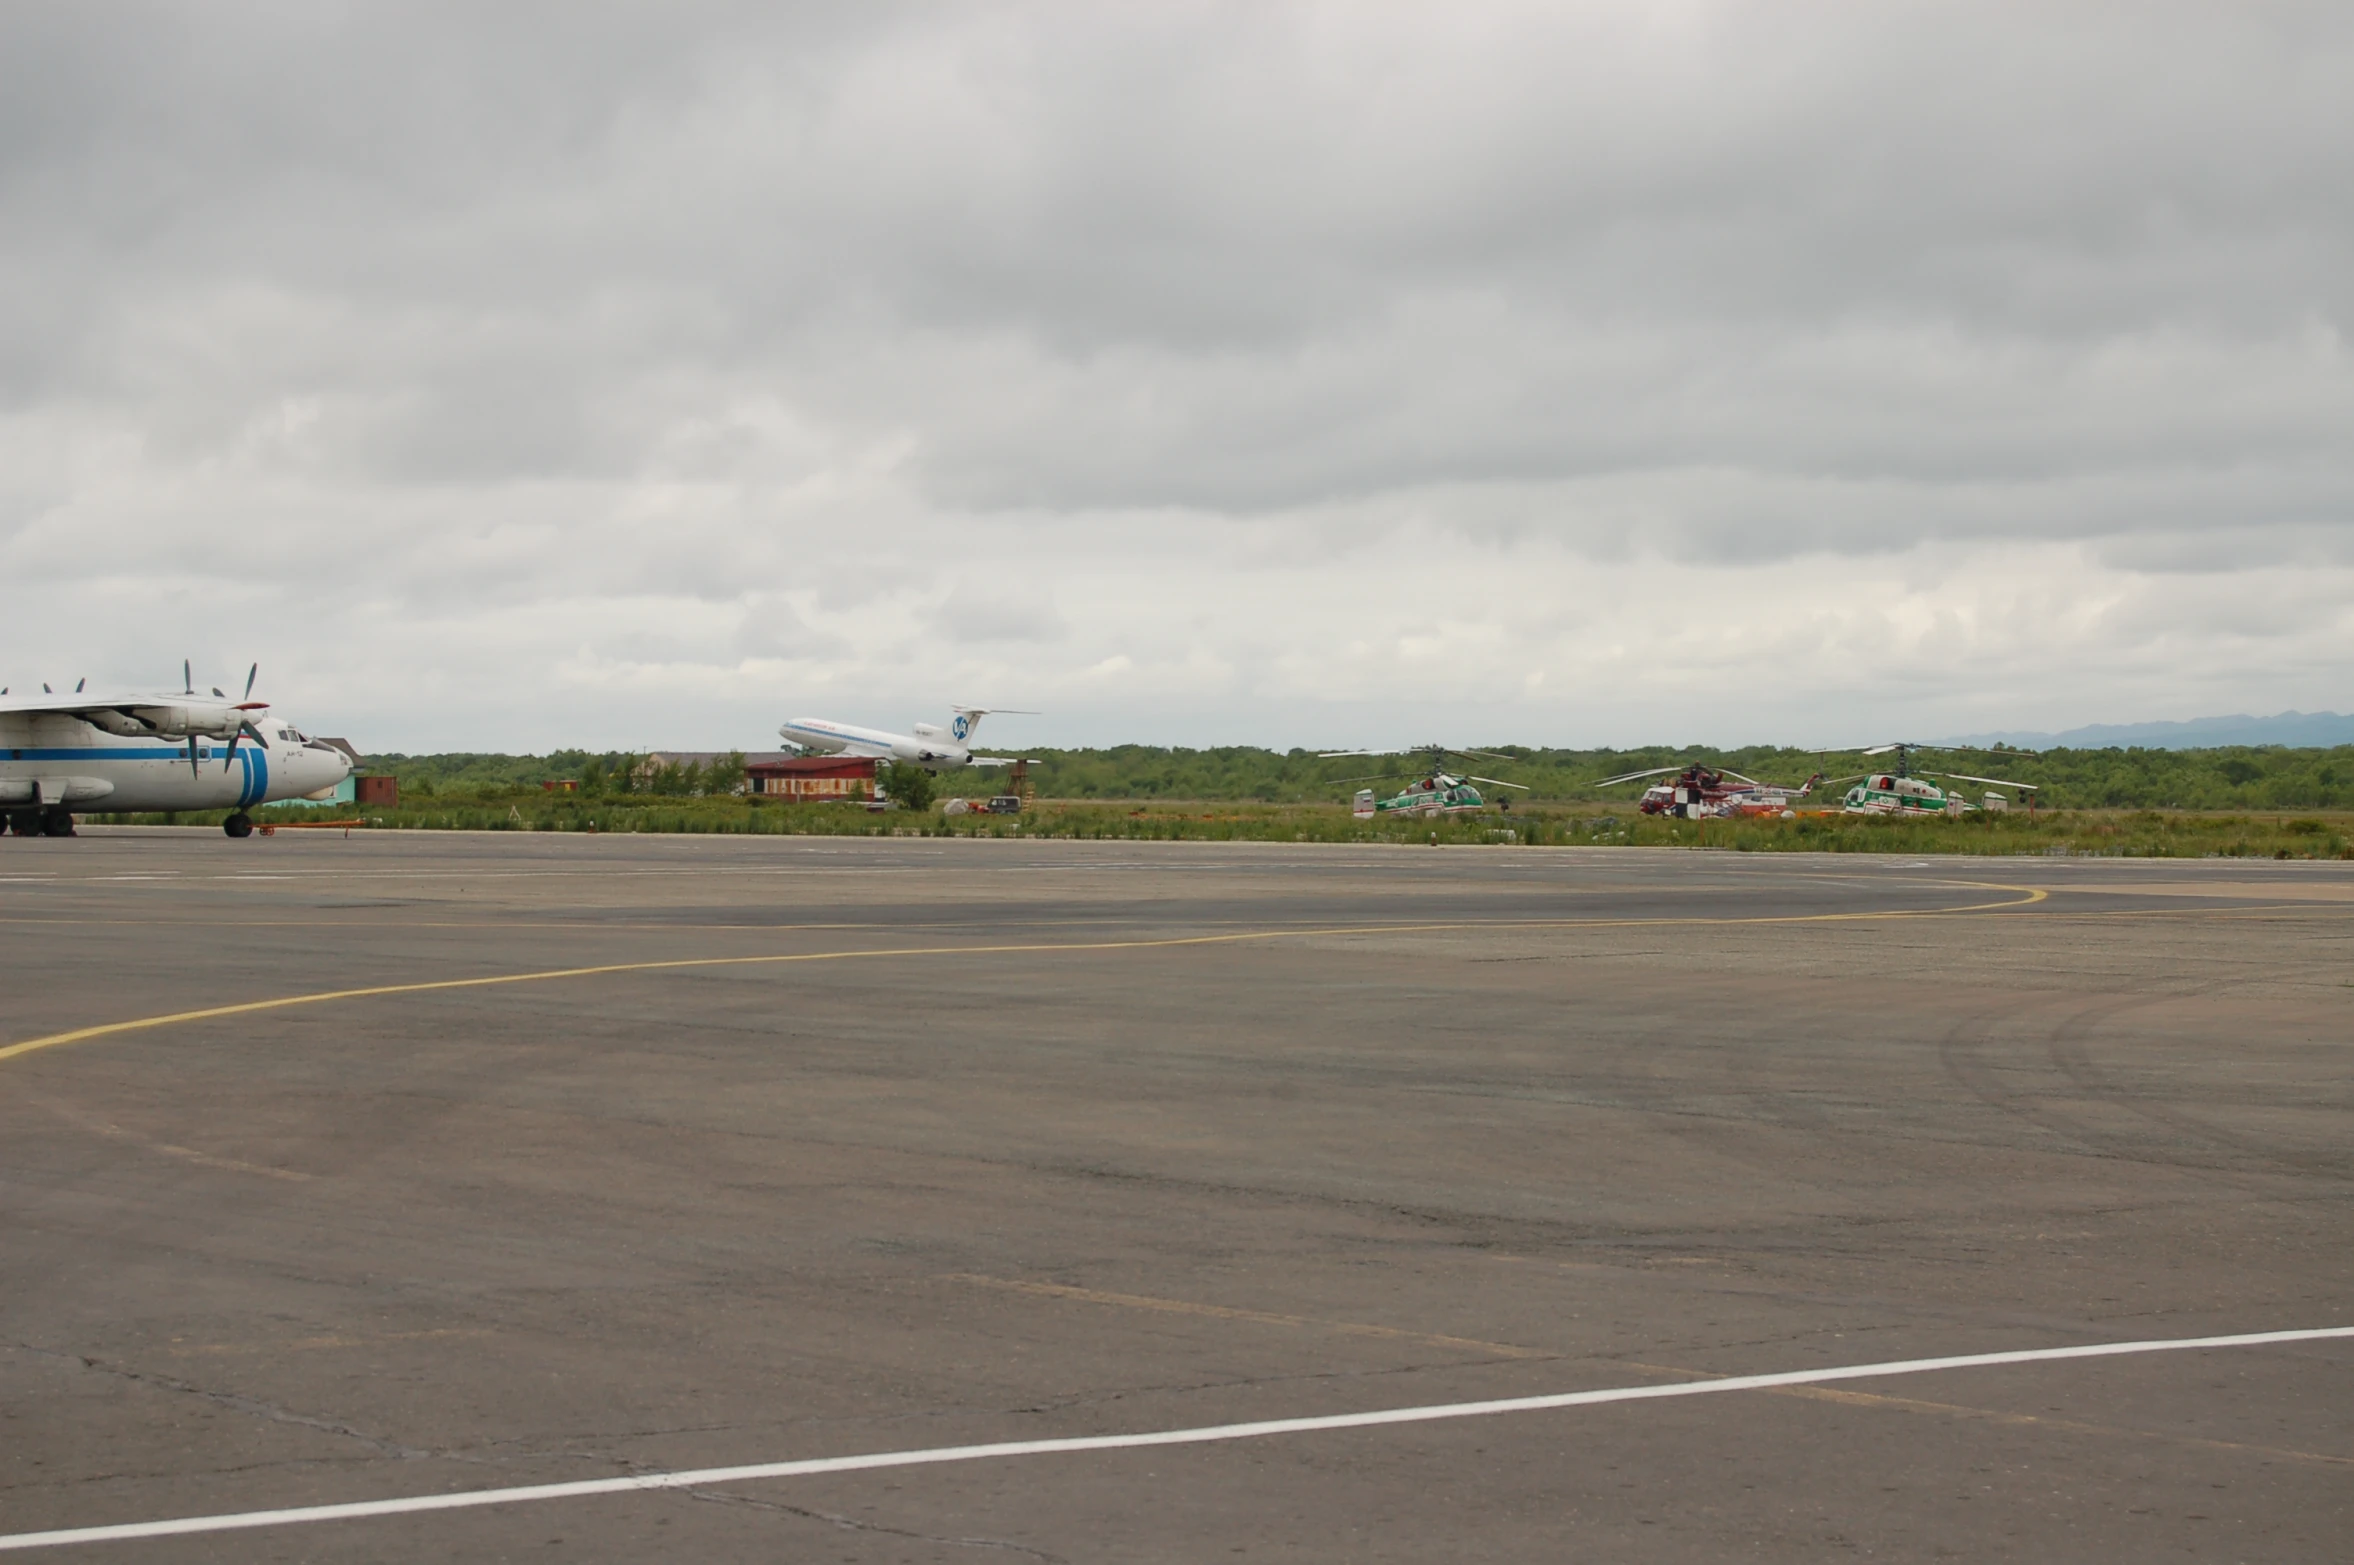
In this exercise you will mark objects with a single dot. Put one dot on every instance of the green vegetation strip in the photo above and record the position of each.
(2258, 779)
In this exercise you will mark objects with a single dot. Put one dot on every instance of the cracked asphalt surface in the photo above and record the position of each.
(1605, 1117)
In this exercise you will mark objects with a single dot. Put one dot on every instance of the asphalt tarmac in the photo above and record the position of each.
(853, 1146)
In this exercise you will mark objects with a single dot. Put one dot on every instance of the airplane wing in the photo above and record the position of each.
(76, 701)
(855, 749)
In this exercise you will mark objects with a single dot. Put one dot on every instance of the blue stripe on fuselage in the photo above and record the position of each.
(177, 752)
(257, 775)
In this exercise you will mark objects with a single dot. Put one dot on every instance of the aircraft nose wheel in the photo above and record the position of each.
(238, 825)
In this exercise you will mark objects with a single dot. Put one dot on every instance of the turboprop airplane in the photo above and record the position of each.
(139, 750)
(933, 748)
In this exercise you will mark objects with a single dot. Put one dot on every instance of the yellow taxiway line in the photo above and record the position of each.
(2028, 895)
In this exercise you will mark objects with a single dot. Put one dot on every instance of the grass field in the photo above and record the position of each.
(2110, 833)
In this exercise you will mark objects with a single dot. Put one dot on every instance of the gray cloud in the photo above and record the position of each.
(1143, 351)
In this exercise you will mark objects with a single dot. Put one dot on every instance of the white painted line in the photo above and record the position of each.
(703, 1477)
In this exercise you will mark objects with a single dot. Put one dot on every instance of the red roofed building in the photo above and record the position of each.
(808, 777)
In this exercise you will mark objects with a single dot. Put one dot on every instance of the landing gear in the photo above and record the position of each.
(57, 823)
(238, 825)
(25, 823)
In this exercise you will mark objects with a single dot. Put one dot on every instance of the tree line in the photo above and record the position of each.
(2238, 777)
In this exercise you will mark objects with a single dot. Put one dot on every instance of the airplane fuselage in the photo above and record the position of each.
(935, 751)
(54, 759)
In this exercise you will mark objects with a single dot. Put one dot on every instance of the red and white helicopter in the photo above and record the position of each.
(1702, 792)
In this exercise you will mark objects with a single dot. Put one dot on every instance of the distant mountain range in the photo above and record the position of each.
(2200, 733)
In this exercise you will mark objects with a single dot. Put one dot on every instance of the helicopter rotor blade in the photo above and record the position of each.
(1499, 782)
(1656, 771)
(1999, 782)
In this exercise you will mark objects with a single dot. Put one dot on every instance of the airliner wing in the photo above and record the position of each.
(75, 701)
(847, 745)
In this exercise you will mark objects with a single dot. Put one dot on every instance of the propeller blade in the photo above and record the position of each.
(1485, 755)
(1334, 755)
(251, 675)
(1499, 782)
(229, 756)
(1883, 749)
(187, 677)
(1656, 771)
(79, 683)
(45, 690)
(194, 770)
(218, 691)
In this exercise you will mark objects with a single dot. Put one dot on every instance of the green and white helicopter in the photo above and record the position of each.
(1902, 791)
(1433, 790)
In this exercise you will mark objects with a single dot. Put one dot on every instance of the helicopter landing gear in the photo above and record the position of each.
(238, 825)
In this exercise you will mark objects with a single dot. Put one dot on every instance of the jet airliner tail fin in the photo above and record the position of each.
(968, 719)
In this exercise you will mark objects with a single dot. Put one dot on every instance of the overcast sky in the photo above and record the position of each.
(512, 377)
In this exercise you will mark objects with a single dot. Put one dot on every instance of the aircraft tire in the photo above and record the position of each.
(238, 825)
(57, 823)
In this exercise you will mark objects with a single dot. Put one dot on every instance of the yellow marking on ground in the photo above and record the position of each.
(114, 1132)
(2028, 897)
(2068, 1425)
(316, 1344)
(1514, 1350)
(1139, 1301)
(1990, 1415)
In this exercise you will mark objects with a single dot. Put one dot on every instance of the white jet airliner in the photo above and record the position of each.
(934, 749)
(136, 750)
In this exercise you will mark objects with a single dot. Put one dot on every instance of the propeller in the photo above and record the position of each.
(246, 728)
(187, 677)
(194, 770)
(79, 683)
